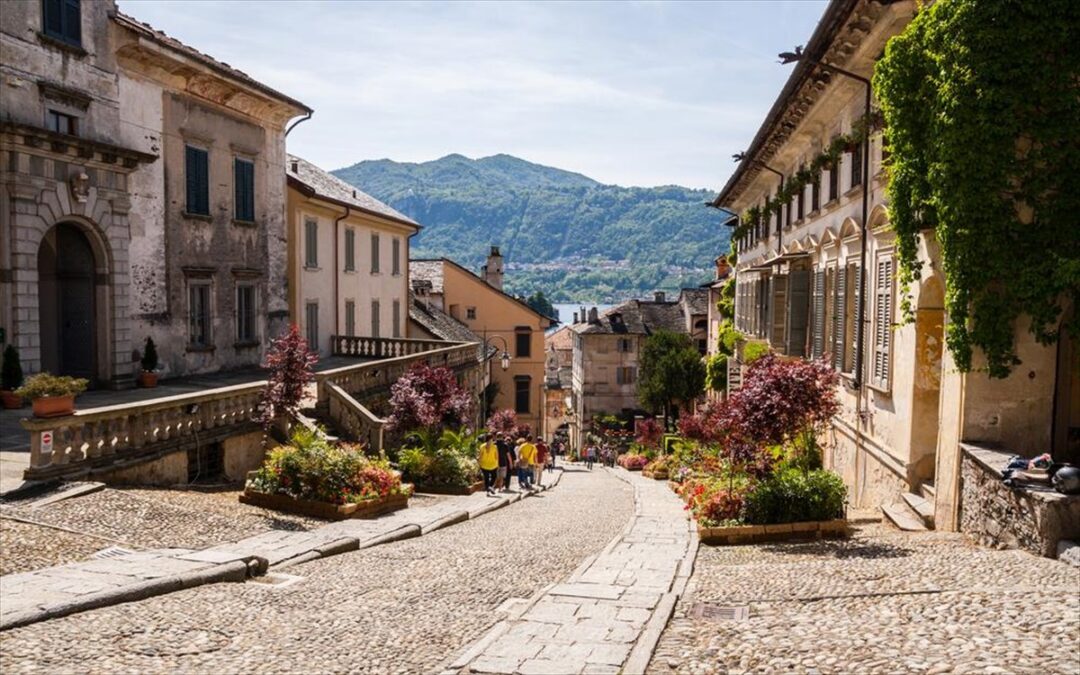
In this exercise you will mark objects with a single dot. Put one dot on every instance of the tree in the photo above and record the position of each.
(539, 302)
(290, 365)
(428, 399)
(672, 374)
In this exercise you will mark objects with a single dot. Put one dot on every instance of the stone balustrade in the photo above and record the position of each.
(103, 436)
(380, 348)
(354, 420)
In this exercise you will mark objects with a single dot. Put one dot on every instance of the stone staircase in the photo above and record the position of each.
(914, 512)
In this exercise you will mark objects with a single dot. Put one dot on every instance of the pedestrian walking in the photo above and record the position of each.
(506, 463)
(526, 458)
(488, 458)
(541, 462)
(590, 456)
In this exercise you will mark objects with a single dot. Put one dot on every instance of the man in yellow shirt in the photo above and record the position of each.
(489, 462)
(526, 460)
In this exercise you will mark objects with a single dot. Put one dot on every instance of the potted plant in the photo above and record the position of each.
(148, 376)
(11, 378)
(52, 395)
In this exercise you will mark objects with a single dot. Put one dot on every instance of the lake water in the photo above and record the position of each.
(566, 310)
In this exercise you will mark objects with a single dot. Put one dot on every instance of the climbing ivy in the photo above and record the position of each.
(983, 123)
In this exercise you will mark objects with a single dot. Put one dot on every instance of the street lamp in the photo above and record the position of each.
(740, 156)
(800, 55)
(505, 359)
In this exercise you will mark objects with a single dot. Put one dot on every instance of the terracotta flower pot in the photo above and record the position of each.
(54, 406)
(147, 379)
(9, 400)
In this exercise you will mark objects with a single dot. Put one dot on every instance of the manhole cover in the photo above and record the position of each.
(713, 612)
(112, 552)
(275, 580)
(173, 641)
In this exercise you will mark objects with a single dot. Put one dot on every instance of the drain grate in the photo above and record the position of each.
(112, 552)
(712, 612)
(276, 580)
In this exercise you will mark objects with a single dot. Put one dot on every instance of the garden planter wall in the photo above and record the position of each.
(450, 489)
(655, 475)
(54, 406)
(306, 507)
(752, 534)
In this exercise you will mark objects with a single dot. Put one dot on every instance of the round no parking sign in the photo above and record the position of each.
(46, 441)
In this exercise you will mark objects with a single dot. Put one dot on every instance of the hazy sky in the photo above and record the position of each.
(642, 93)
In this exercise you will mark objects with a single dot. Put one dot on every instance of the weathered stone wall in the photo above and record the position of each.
(242, 453)
(997, 515)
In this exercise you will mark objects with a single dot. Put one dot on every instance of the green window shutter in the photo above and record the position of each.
(53, 19)
(883, 323)
(72, 22)
(838, 318)
(244, 189)
(856, 272)
(818, 338)
(197, 178)
(798, 307)
(779, 307)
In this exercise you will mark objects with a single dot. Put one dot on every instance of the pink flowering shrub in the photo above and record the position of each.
(429, 399)
(503, 422)
(649, 434)
(290, 365)
(632, 461)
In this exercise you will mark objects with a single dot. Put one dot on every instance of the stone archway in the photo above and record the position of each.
(73, 302)
(926, 384)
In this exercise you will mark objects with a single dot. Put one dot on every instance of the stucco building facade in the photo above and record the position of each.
(142, 197)
(818, 280)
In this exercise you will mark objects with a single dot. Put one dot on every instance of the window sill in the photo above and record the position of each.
(854, 190)
(246, 344)
(245, 223)
(884, 391)
(61, 43)
(312, 268)
(200, 348)
(197, 216)
(348, 271)
(813, 214)
(376, 273)
(832, 203)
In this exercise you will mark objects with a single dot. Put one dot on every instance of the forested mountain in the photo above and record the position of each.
(562, 233)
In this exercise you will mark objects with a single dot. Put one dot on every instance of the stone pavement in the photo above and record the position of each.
(607, 615)
(66, 589)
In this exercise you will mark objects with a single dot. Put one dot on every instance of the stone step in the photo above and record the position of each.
(903, 517)
(921, 506)
(928, 491)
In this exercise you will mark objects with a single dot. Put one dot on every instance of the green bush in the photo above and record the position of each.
(793, 496)
(449, 460)
(753, 351)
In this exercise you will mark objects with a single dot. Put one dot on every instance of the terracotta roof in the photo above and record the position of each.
(560, 339)
(432, 270)
(148, 31)
(325, 185)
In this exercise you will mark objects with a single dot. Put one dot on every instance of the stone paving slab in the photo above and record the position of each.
(35, 596)
(604, 616)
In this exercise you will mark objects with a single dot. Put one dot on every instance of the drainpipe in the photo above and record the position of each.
(305, 118)
(337, 302)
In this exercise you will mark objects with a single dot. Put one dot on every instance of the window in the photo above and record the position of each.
(374, 254)
(798, 306)
(395, 249)
(311, 243)
(817, 308)
(852, 297)
(838, 323)
(396, 318)
(244, 189)
(375, 310)
(882, 322)
(703, 346)
(350, 317)
(799, 204)
(626, 345)
(197, 174)
(350, 251)
(311, 325)
(787, 215)
(62, 20)
(470, 313)
(245, 313)
(856, 165)
(625, 375)
(61, 123)
(522, 392)
(523, 343)
(815, 193)
(775, 320)
(199, 317)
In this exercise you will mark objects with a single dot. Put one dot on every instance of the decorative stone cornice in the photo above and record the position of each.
(74, 147)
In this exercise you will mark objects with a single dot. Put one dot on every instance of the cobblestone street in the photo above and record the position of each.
(404, 607)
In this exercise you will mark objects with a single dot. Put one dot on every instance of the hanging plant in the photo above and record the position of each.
(984, 149)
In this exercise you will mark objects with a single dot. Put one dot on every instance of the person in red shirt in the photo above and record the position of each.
(541, 461)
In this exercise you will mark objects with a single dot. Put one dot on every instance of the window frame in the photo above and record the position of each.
(243, 189)
(395, 259)
(883, 336)
(350, 249)
(311, 243)
(71, 120)
(470, 313)
(376, 318)
(195, 193)
(200, 339)
(520, 380)
(527, 334)
(252, 313)
(375, 267)
(350, 317)
(69, 30)
(311, 325)
(395, 318)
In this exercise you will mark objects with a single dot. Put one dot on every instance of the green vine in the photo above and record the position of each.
(980, 101)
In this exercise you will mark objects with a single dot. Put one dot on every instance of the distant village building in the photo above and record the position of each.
(558, 383)
(501, 320)
(607, 350)
(806, 277)
(348, 259)
(142, 197)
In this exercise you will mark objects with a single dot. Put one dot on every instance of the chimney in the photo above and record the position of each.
(723, 268)
(583, 314)
(575, 317)
(594, 315)
(658, 296)
(492, 272)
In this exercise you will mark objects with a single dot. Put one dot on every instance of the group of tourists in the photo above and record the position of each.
(501, 457)
(605, 454)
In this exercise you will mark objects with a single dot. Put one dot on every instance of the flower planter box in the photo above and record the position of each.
(306, 507)
(53, 406)
(655, 475)
(632, 468)
(749, 534)
(449, 489)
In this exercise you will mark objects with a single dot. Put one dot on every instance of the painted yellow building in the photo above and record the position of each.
(348, 259)
(502, 320)
(818, 280)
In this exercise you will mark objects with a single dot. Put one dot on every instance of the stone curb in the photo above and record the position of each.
(233, 571)
(78, 491)
(446, 521)
(402, 533)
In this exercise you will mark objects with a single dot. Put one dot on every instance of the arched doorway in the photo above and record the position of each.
(926, 385)
(67, 303)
